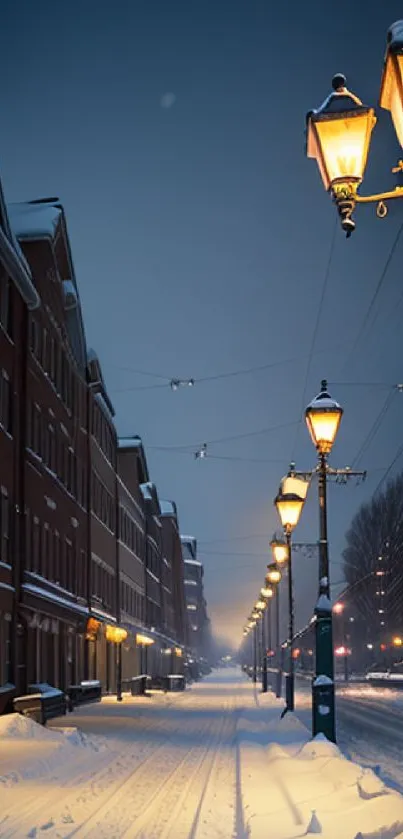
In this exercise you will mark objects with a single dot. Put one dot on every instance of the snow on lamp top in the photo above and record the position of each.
(339, 134)
(323, 416)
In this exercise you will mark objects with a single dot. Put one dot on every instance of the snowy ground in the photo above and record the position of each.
(369, 727)
(212, 763)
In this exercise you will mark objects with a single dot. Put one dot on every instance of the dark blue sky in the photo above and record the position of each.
(201, 235)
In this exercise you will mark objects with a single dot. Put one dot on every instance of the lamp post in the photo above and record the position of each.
(338, 135)
(263, 659)
(273, 577)
(323, 416)
(260, 606)
(289, 507)
(280, 554)
(255, 618)
(266, 593)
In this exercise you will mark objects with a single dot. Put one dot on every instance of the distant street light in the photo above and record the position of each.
(273, 577)
(273, 574)
(280, 550)
(289, 507)
(339, 134)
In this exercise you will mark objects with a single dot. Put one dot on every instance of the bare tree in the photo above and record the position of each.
(373, 560)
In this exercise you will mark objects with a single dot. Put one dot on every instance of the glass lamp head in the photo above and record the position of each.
(273, 574)
(323, 416)
(289, 507)
(280, 551)
(391, 95)
(339, 135)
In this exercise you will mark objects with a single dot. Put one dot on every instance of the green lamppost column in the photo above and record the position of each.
(323, 416)
(323, 706)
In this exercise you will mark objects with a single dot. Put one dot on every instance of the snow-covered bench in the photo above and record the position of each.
(84, 692)
(43, 703)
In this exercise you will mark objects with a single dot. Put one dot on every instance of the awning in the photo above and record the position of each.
(55, 606)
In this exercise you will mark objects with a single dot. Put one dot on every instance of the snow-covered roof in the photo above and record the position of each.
(105, 407)
(39, 219)
(135, 444)
(146, 490)
(96, 378)
(130, 443)
(34, 221)
(168, 508)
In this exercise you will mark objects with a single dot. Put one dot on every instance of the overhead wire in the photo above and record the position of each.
(315, 332)
(374, 297)
(229, 458)
(374, 427)
(242, 436)
(389, 468)
(201, 379)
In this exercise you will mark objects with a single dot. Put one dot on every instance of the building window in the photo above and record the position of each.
(36, 442)
(83, 574)
(45, 351)
(6, 403)
(5, 528)
(36, 545)
(28, 541)
(52, 448)
(56, 557)
(70, 570)
(52, 360)
(35, 338)
(46, 558)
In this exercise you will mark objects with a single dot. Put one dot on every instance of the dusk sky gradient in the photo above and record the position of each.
(173, 133)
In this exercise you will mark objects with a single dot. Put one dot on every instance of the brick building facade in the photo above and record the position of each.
(85, 545)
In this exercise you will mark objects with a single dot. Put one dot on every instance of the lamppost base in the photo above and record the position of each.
(279, 679)
(323, 708)
(289, 691)
(264, 677)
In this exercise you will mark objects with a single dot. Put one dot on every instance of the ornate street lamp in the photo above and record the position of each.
(266, 594)
(273, 577)
(280, 551)
(391, 96)
(338, 134)
(323, 416)
(289, 507)
(274, 574)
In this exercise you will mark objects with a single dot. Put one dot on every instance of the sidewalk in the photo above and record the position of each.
(293, 786)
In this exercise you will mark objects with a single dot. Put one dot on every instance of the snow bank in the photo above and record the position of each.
(31, 752)
(292, 786)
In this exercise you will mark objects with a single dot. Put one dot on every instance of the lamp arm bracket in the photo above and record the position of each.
(397, 192)
(346, 196)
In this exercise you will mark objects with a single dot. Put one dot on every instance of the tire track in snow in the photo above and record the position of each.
(162, 800)
(90, 781)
